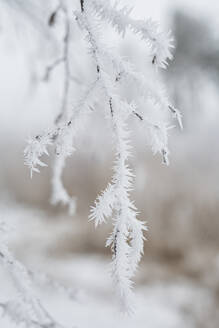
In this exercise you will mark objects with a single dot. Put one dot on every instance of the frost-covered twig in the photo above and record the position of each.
(62, 137)
(127, 238)
(25, 308)
(157, 132)
(34, 150)
(159, 42)
(64, 147)
(149, 90)
(127, 245)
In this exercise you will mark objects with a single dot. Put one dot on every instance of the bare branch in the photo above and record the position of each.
(82, 5)
(51, 68)
(67, 76)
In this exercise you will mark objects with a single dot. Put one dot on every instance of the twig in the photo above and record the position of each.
(82, 5)
(64, 59)
(51, 67)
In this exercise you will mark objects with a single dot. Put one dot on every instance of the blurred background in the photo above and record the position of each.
(177, 283)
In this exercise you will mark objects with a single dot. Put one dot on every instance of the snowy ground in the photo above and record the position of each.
(91, 301)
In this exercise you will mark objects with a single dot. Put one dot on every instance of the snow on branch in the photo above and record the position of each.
(25, 308)
(127, 238)
(159, 43)
(103, 206)
(126, 249)
(149, 90)
(35, 148)
(127, 246)
(157, 132)
(62, 138)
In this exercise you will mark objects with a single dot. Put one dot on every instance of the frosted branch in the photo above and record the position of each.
(127, 238)
(26, 308)
(35, 148)
(159, 42)
(115, 201)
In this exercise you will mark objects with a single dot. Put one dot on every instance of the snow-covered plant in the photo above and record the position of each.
(111, 72)
(25, 308)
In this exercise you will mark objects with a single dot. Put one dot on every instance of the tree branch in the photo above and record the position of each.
(82, 5)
